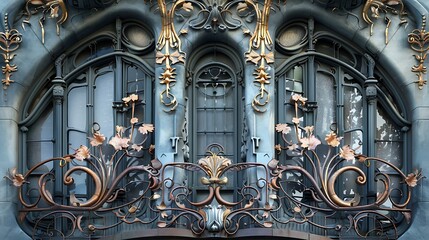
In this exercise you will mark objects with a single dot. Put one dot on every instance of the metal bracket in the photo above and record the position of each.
(174, 142)
(255, 143)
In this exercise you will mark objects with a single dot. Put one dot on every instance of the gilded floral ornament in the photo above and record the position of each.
(260, 49)
(9, 42)
(169, 40)
(419, 42)
(373, 9)
(315, 171)
(46, 7)
(214, 213)
(214, 165)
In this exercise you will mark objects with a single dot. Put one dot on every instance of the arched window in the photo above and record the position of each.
(215, 106)
(347, 95)
(85, 95)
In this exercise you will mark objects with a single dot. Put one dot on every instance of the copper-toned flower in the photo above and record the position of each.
(119, 130)
(309, 129)
(16, 178)
(310, 142)
(134, 120)
(332, 139)
(97, 139)
(119, 143)
(298, 97)
(278, 147)
(82, 153)
(347, 153)
(283, 128)
(145, 128)
(131, 98)
(296, 120)
(412, 178)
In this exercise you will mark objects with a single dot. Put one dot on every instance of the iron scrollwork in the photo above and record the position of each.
(305, 188)
(115, 167)
(215, 212)
(286, 191)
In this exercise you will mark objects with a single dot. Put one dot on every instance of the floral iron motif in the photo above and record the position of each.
(374, 7)
(279, 196)
(51, 7)
(108, 175)
(306, 193)
(214, 213)
(419, 42)
(9, 42)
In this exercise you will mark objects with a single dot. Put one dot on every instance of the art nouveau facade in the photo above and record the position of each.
(210, 119)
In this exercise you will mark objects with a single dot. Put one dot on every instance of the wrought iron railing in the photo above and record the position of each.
(274, 195)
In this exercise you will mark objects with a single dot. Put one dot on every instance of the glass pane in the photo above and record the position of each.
(40, 140)
(294, 78)
(75, 140)
(77, 108)
(355, 140)
(353, 108)
(325, 95)
(137, 81)
(388, 140)
(103, 99)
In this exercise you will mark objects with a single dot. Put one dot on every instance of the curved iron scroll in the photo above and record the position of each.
(305, 189)
(285, 192)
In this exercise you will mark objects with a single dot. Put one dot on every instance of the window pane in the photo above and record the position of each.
(216, 103)
(139, 83)
(325, 96)
(388, 140)
(40, 140)
(353, 108)
(103, 99)
(77, 108)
